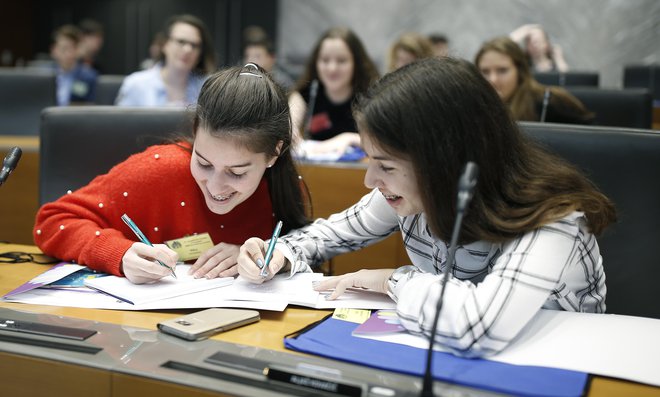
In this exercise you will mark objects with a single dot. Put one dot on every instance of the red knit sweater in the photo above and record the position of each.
(156, 189)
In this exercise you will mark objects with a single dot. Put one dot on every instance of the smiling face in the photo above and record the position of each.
(500, 71)
(393, 177)
(183, 48)
(226, 173)
(335, 64)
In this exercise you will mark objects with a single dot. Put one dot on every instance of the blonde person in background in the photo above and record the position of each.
(408, 48)
(504, 65)
(338, 70)
(187, 57)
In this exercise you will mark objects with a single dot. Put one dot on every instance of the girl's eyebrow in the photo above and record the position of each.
(231, 166)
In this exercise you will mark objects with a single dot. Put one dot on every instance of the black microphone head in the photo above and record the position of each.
(313, 88)
(11, 160)
(468, 179)
(466, 184)
(9, 163)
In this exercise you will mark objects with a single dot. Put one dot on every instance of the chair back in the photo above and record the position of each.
(24, 93)
(631, 108)
(583, 79)
(643, 76)
(107, 87)
(79, 143)
(625, 165)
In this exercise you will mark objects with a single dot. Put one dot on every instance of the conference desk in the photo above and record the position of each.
(39, 371)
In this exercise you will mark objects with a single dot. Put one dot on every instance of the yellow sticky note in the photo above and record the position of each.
(353, 315)
(191, 247)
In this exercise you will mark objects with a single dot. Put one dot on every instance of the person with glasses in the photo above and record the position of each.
(186, 58)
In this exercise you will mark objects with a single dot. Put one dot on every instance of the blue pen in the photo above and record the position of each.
(143, 238)
(271, 248)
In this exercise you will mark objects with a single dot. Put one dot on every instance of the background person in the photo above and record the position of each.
(542, 56)
(440, 44)
(91, 42)
(187, 57)
(408, 48)
(505, 66)
(75, 82)
(341, 68)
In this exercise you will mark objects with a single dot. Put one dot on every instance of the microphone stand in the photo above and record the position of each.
(466, 185)
(313, 92)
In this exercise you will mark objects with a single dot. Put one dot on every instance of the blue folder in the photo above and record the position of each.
(332, 338)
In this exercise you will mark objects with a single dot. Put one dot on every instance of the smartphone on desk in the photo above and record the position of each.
(200, 325)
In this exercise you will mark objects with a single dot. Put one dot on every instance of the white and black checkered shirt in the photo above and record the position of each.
(497, 287)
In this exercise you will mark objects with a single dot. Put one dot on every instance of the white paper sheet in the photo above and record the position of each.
(274, 295)
(165, 288)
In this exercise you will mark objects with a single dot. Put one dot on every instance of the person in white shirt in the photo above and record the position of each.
(187, 58)
(528, 239)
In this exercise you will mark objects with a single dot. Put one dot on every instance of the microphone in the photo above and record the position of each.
(313, 91)
(9, 163)
(466, 184)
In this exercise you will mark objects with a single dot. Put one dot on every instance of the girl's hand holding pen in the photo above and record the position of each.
(219, 261)
(251, 259)
(139, 263)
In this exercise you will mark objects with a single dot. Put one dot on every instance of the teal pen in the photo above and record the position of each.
(128, 221)
(271, 248)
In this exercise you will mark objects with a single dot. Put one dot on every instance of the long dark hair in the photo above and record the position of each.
(246, 105)
(364, 69)
(206, 63)
(529, 92)
(440, 113)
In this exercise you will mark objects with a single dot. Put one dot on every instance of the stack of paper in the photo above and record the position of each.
(188, 293)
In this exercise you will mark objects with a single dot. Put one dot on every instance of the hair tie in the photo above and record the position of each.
(251, 65)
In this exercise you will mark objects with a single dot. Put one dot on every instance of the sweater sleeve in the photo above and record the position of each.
(85, 226)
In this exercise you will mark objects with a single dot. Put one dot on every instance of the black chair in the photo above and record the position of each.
(24, 93)
(631, 108)
(643, 76)
(584, 79)
(79, 143)
(625, 165)
(107, 87)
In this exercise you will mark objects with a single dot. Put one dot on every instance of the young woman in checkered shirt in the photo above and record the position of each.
(528, 239)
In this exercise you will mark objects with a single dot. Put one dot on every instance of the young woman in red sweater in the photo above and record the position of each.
(232, 178)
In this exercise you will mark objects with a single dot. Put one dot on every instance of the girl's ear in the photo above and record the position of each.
(278, 150)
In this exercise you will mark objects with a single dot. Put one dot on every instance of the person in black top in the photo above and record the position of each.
(338, 69)
(505, 66)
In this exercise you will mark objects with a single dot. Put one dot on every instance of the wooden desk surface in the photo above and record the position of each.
(267, 333)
